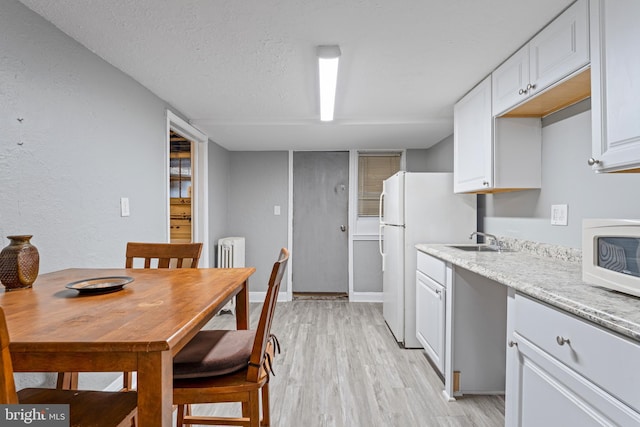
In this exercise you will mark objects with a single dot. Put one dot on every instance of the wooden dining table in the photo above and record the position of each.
(138, 328)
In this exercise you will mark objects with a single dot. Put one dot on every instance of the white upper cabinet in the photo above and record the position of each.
(615, 85)
(472, 140)
(556, 52)
(510, 81)
(493, 155)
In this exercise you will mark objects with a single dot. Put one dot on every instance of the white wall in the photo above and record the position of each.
(438, 158)
(219, 184)
(367, 266)
(258, 181)
(90, 135)
(566, 179)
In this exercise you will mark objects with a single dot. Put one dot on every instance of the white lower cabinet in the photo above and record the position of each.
(430, 320)
(431, 298)
(564, 371)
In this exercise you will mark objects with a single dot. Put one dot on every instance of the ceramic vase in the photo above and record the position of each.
(19, 263)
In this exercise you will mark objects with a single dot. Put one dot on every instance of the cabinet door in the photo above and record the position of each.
(510, 81)
(550, 394)
(615, 91)
(430, 321)
(472, 140)
(560, 49)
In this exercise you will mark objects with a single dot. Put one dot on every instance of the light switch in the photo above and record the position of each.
(276, 210)
(124, 206)
(559, 215)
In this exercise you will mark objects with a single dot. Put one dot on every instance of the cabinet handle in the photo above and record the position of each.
(485, 183)
(593, 161)
(527, 89)
(512, 344)
(562, 340)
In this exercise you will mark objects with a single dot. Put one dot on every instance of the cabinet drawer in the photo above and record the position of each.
(606, 359)
(551, 394)
(432, 267)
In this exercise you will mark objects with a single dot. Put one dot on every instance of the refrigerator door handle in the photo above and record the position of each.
(380, 244)
(380, 204)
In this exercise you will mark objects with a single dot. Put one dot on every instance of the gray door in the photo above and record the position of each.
(320, 217)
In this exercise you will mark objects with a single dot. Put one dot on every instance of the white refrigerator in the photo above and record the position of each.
(416, 208)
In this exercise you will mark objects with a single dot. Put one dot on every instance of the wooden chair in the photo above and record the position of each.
(87, 408)
(230, 366)
(166, 255)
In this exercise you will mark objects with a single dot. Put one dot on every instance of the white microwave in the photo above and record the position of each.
(611, 254)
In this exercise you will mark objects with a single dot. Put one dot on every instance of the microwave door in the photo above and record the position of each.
(619, 254)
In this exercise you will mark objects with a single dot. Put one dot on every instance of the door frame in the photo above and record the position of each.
(356, 231)
(289, 292)
(200, 173)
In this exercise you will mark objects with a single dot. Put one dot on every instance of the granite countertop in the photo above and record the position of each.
(554, 277)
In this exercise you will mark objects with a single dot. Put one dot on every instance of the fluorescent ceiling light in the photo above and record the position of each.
(328, 57)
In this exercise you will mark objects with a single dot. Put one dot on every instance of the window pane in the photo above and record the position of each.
(372, 170)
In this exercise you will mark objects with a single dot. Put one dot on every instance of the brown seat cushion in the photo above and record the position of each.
(213, 353)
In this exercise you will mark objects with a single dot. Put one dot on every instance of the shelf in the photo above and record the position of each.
(568, 92)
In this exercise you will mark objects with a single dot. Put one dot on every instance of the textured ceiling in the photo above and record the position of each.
(244, 71)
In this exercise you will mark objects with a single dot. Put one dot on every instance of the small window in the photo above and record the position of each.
(373, 168)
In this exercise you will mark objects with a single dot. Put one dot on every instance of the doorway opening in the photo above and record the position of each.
(180, 188)
(196, 230)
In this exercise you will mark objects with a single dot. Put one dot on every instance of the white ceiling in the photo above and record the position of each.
(244, 71)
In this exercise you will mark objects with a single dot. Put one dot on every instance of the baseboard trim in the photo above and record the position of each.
(260, 296)
(353, 297)
(365, 297)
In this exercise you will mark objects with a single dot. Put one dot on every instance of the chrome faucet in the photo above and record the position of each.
(496, 242)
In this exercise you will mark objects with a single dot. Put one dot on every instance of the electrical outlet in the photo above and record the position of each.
(276, 210)
(559, 215)
(124, 206)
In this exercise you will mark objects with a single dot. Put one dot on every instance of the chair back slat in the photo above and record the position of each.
(7, 385)
(183, 255)
(266, 317)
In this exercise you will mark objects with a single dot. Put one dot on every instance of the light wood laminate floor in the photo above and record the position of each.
(340, 366)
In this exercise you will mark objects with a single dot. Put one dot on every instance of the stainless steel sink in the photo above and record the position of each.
(479, 248)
